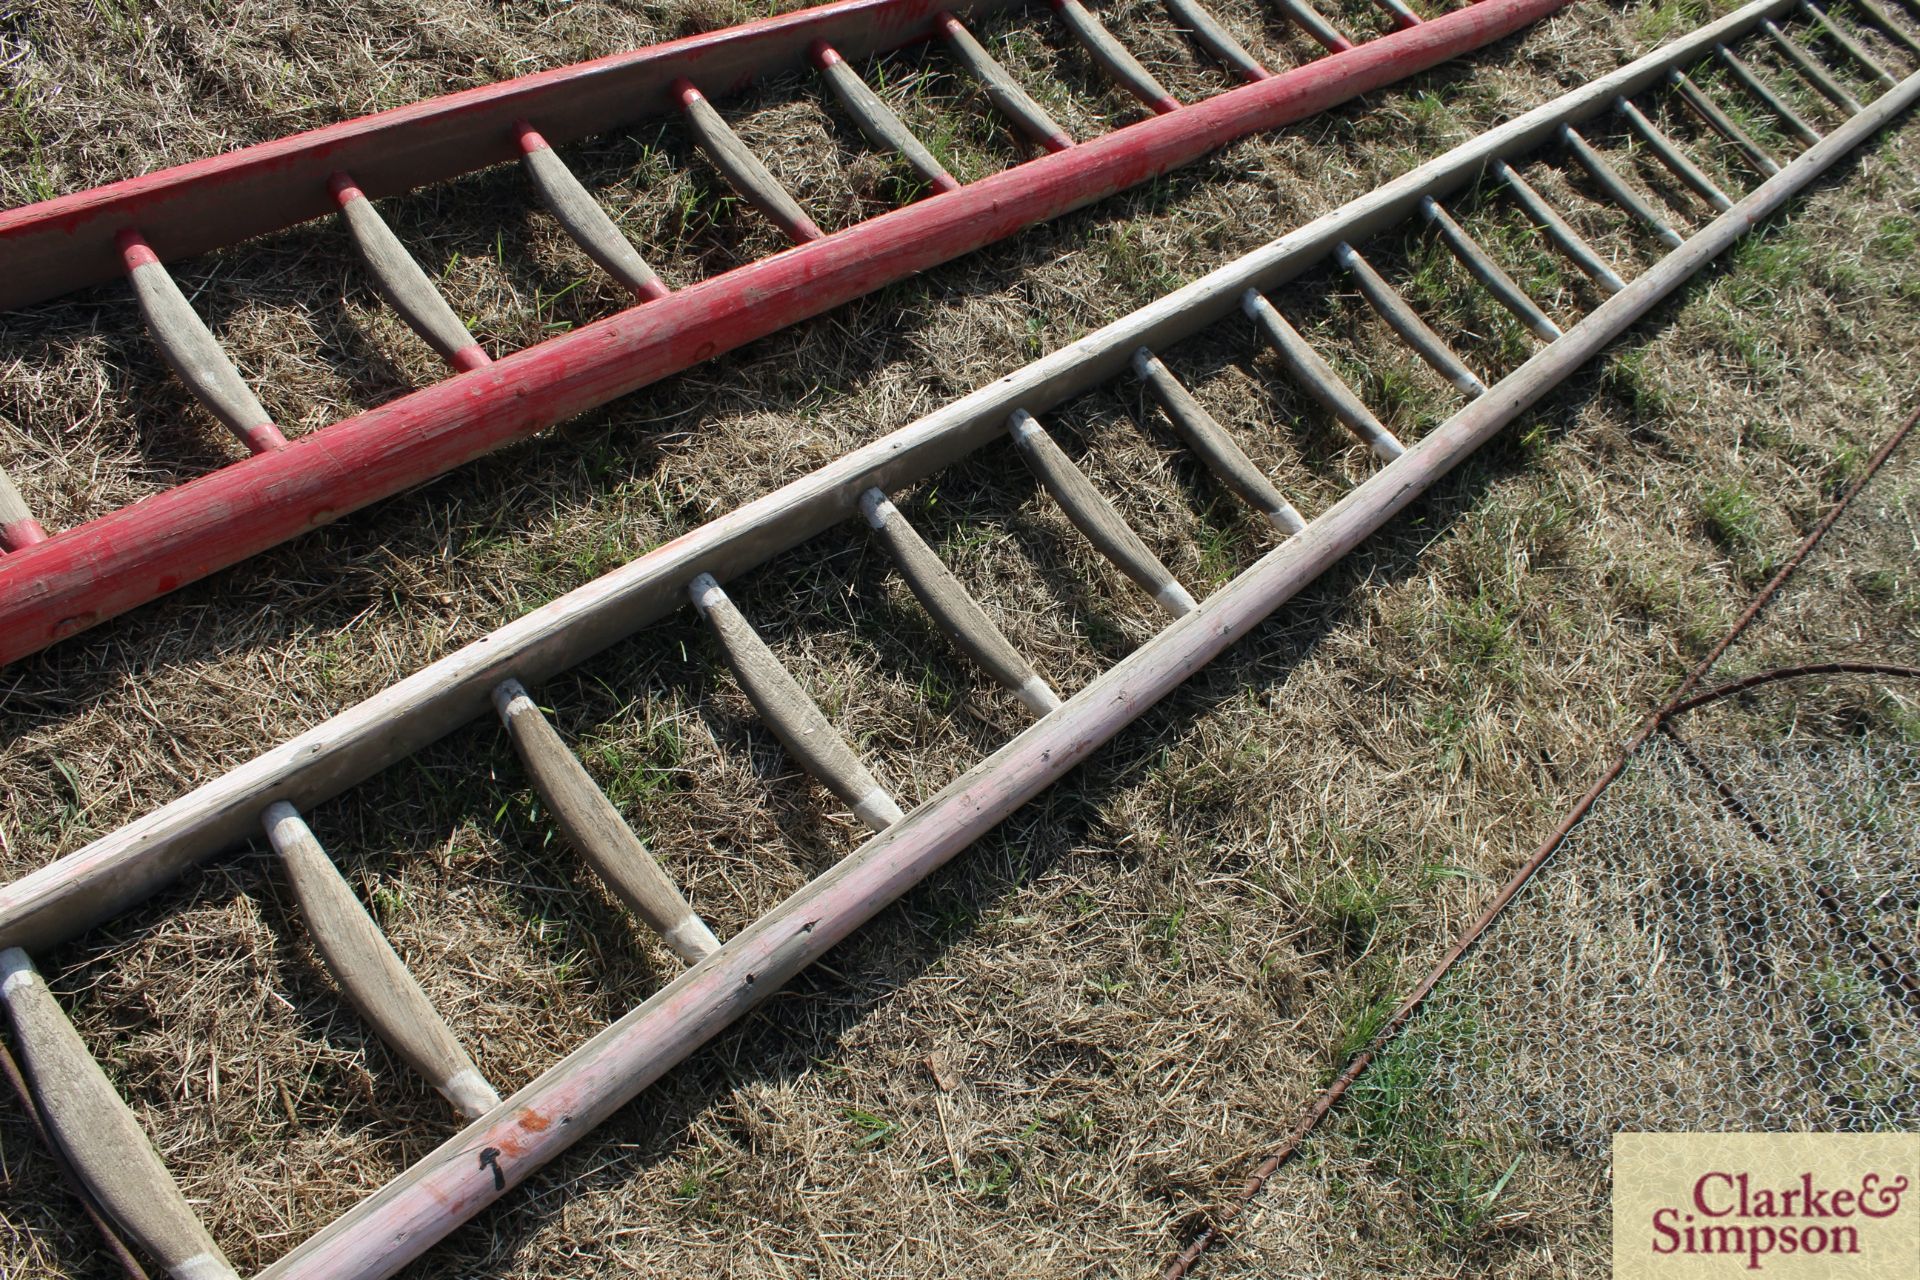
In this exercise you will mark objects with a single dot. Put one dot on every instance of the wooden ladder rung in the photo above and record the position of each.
(401, 281)
(1722, 123)
(1889, 28)
(1753, 84)
(953, 607)
(1615, 187)
(1095, 516)
(1405, 321)
(1678, 163)
(796, 720)
(877, 120)
(596, 828)
(1558, 229)
(1809, 67)
(1492, 277)
(583, 218)
(1853, 48)
(370, 972)
(1212, 35)
(18, 528)
(98, 1132)
(189, 347)
(1402, 14)
(1318, 377)
(1005, 93)
(1303, 15)
(1121, 66)
(1215, 444)
(740, 167)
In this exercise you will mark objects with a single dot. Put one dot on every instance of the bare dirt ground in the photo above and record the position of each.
(1135, 984)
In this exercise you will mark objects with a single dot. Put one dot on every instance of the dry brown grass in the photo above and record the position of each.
(1136, 983)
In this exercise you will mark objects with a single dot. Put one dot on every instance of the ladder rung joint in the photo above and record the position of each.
(191, 350)
(1095, 515)
(1303, 15)
(1615, 187)
(1558, 229)
(1113, 57)
(99, 1134)
(1492, 277)
(1209, 438)
(952, 607)
(596, 828)
(583, 218)
(1391, 306)
(1318, 377)
(1750, 80)
(794, 717)
(370, 972)
(1668, 152)
(403, 282)
(874, 118)
(1002, 90)
(741, 168)
(18, 528)
(1809, 67)
(1212, 35)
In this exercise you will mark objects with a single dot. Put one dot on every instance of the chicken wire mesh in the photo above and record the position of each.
(1727, 942)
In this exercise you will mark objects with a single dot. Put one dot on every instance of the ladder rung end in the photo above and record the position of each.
(1212, 35)
(1810, 69)
(1848, 45)
(98, 1133)
(952, 607)
(1708, 110)
(1558, 229)
(1095, 516)
(1318, 377)
(1401, 13)
(596, 828)
(1492, 277)
(191, 350)
(362, 960)
(1677, 162)
(1753, 84)
(1615, 187)
(1309, 20)
(794, 717)
(18, 528)
(583, 218)
(875, 119)
(1400, 316)
(1112, 56)
(1215, 444)
(1006, 95)
(1888, 26)
(742, 169)
(402, 282)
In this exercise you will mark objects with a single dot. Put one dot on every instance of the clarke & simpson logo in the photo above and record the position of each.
(1786, 1205)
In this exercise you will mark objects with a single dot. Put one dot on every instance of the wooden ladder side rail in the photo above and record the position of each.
(123, 867)
(401, 1221)
(57, 246)
(94, 571)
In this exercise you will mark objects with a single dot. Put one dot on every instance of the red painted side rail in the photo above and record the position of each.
(60, 245)
(89, 573)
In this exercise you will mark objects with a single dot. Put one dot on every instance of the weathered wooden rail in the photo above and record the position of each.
(505, 1141)
(53, 586)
